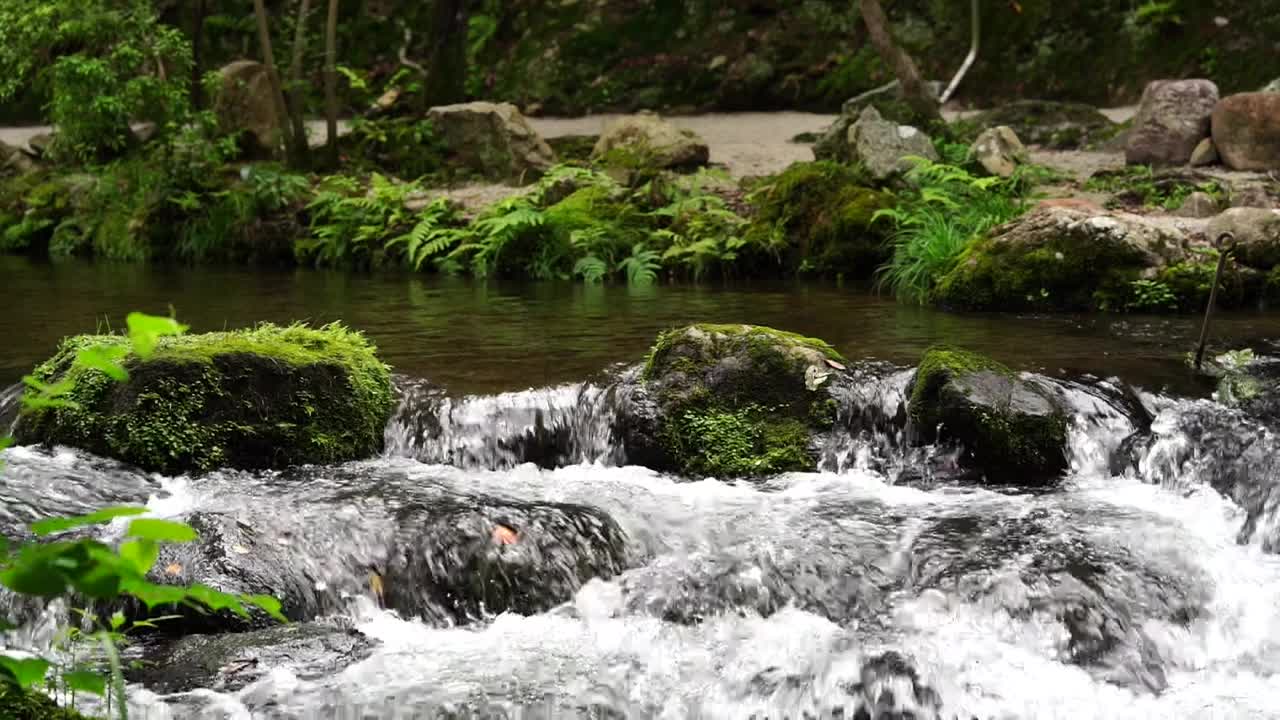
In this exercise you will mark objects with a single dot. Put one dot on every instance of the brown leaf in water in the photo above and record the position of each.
(503, 535)
(836, 365)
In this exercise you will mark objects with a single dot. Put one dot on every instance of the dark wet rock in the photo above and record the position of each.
(267, 397)
(889, 688)
(457, 560)
(688, 590)
(1055, 125)
(1075, 565)
(732, 401)
(1012, 429)
(230, 662)
(34, 486)
(1172, 119)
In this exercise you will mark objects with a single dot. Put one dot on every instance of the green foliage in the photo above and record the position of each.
(943, 210)
(818, 217)
(407, 147)
(1142, 186)
(352, 226)
(91, 570)
(103, 64)
(1151, 296)
(318, 395)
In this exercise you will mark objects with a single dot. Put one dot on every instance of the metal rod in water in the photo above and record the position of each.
(1225, 242)
(975, 23)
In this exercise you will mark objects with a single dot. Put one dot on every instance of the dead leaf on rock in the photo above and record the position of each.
(836, 365)
(173, 569)
(503, 535)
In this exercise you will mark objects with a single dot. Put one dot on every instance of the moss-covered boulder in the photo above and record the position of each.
(1060, 258)
(1013, 431)
(820, 215)
(261, 398)
(733, 401)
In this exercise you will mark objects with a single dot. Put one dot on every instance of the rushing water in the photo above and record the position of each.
(1144, 586)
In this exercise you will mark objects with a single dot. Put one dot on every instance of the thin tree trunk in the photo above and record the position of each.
(197, 57)
(914, 92)
(331, 82)
(268, 57)
(296, 99)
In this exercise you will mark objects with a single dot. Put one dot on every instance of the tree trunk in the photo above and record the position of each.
(297, 99)
(447, 64)
(914, 92)
(269, 58)
(331, 82)
(197, 57)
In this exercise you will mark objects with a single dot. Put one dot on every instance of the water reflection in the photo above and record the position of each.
(484, 337)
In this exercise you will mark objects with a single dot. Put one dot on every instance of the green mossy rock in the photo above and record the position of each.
(739, 400)
(1013, 431)
(1057, 258)
(16, 705)
(821, 213)
(267, 397)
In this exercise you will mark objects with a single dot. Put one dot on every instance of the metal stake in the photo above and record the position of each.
(1226, 242)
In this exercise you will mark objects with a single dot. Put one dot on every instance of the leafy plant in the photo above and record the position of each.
(1151, 296)
(351, 225)
(943, 210)
(54, 566)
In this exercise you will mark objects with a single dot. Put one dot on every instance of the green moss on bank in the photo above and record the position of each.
(266, 397)
(740, 400)
(820, 215)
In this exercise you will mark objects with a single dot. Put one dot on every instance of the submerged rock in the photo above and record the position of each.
(732, 401)
(1013, 430)
(1172, 120)
(458, 560)
(230, 662)
(1060, 258)
(1246, 131)
(263, 398)
(493, 140)
(645, 140)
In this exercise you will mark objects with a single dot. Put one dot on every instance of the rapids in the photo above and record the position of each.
(1142, 587)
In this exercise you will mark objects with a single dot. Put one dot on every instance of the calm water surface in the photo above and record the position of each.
(478, 337)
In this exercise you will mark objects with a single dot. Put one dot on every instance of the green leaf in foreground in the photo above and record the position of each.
(85, 681)
(161, 530)
(24, 671)
(99, 517)
(146, 330)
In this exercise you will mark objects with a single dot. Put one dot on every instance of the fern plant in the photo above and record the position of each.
(944, 210)
(641, 266)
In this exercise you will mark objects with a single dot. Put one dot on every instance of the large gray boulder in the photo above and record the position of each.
(492, 139)
(883, 146)
(1172, 120)
(1246, 131)
(244, 106)
(1257, 234)
(646, 140)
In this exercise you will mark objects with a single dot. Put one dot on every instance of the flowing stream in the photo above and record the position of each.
(1142, 587)
(503, 560)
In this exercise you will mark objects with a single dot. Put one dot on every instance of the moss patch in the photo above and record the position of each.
(938, 365)
(740, 400)
(819, 216)
(17, 705)
(266, 397)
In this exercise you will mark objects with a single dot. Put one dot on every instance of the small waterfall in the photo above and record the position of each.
(10, 403)
(550, 427)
